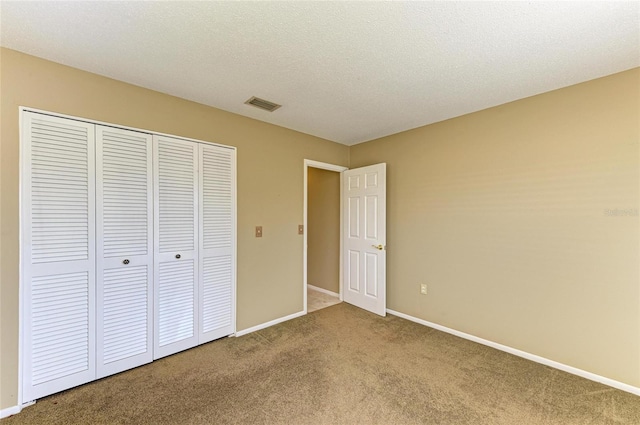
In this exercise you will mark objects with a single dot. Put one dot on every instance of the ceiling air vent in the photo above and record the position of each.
(262, 104)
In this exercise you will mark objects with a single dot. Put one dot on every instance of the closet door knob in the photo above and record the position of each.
(125, 262)
(178, 256)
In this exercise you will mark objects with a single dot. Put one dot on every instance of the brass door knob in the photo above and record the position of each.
(378, 247)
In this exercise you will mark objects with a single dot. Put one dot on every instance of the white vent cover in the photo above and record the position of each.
(262, 104)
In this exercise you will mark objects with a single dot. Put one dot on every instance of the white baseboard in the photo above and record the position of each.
(542, 360)
(324, 291)
(5, 413)
(271, 323)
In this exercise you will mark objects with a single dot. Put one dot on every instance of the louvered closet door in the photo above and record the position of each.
(124, 217)
(217, 242)
(176, 242)
(58, 257)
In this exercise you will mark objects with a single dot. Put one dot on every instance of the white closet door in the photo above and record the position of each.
(124, 249)
(176, 243)
(217, 242)
(58, 255)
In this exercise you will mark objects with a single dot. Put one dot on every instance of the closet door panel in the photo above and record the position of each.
(125, 249)
(58, 257)
(217, 242)
(176, 244)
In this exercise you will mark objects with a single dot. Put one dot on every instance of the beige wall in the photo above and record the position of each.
(508, 215)
(323, 229)
(504, 213)
(270, 183)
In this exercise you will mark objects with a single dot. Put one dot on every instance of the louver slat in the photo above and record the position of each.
(176, 191)
(217, 293)
(51, 356)
(176, 301)
(217, 198)
(125, 191)
(129, 302)
(59, 191)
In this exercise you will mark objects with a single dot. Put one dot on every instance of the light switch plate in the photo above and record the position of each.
(300, 229)
(258, 231)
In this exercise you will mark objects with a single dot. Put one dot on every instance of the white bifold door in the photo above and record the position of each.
(176, 244)
(128, 249)
(216, 253)
(194, 243)
(58, 254)
(124, 216)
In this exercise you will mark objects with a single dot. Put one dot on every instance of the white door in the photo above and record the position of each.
(364, 237)
(217, 242)
(58, 254)
(176, 244)
(124, 214)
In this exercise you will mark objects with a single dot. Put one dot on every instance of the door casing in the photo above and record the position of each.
(324, 166)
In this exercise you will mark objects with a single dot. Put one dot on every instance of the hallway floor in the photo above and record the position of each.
(317, 300)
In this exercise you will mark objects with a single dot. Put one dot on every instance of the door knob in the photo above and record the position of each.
(378, 247)
(178, 256)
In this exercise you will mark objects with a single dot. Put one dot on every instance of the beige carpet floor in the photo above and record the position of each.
(339, 365)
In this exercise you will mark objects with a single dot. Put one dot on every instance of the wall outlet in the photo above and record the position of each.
(258, 231)
(423, 288)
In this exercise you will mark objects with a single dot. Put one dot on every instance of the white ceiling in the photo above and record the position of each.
(345, 71)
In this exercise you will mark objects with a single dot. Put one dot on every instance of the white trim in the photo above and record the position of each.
(13, 410)
(21, 297)
(271, 323)
(535, 358)
(324, 291)
(110, 124)
(234, 235)
(323, 166)
(341, 294)
(305, 228)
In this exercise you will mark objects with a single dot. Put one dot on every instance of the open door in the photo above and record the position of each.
(364, 237)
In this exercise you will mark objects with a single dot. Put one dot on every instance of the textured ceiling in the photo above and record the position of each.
(345, 71)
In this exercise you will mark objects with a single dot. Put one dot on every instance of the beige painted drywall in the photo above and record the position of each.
(521, 218)
(523, 221)
(270, 183)
(323, 229)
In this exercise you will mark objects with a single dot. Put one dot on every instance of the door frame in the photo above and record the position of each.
(309, 163)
